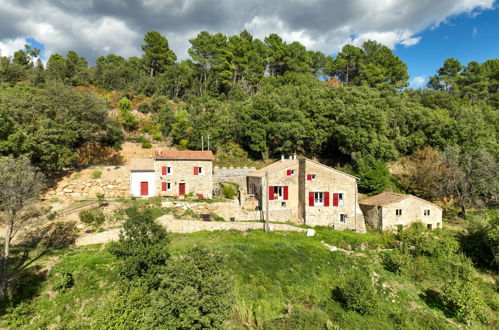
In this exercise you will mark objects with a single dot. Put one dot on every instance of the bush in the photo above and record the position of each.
(96, 175)
(418, 240)
(394, 261)
(480, 240)
(94, 217)
(195, 293)
(358, 294)
(463, 299)
(66, 281)
(145, 107)
(229, 191)
(142, 246)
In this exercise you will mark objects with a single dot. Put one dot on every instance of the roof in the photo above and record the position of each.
(279, 165)
(141, 164)
(184, 154)
(387, 198)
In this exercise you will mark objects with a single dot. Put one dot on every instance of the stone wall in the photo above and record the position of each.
(235, 175)
(227, 210)
(114, 181)
(189, 226)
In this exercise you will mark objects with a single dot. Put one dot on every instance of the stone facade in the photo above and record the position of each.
(182, 171)
(235, 175)
(402, 212)
(303, 180)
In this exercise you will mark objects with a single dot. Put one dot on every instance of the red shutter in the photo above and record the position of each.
(310, 199)
(196, 170)
(335, 199)
(163, 170)
(326, 198)
(163, 186)
(285, 193)
(309, 177)
(289, 172)
(271, 193)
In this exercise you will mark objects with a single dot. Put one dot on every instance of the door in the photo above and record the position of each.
(144, 188)
(181, 189)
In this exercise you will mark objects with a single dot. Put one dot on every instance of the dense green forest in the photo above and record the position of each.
(262, 99)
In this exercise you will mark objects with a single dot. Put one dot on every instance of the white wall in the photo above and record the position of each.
(137, 177)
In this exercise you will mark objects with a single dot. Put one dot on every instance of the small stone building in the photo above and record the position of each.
(173, 173)
(305, 191)
(142, 177)
(388, 211)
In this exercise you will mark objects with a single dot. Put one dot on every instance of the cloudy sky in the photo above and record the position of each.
(421, 32)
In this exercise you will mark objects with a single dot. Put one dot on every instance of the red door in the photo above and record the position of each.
(181, 189)
(144, 188)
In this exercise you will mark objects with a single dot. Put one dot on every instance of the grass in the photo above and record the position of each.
(96, 175)
(283, 280)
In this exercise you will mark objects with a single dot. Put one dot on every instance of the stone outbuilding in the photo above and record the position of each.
(389, 211)
(306, 191)
(173, 173)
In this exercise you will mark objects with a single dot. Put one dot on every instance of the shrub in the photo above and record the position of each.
(145, 107)
(96, 175)
(229, 191)
(66, 281)
(358, 294)
(195, 293)
(142, 246)
(126, 116)
(394, 261)
(417, 240)
(94, 217)
(464, 300)
(480, 240)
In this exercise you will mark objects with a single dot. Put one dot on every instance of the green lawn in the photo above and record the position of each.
(283, 281)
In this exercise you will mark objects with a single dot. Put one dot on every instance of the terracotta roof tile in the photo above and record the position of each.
(141, 164)
(384, 198)
(184, 154)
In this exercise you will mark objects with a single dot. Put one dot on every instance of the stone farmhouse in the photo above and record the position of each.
(173, 173)
(389, 211)
(305, 191)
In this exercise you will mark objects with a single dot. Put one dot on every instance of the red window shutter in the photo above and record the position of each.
(285, 193)
(163, 170)
(163, 186)
(289, 172)
(335, 199)
(196, 170)
(326, 198)
(271, 193)
(310, 199)
(309, 177)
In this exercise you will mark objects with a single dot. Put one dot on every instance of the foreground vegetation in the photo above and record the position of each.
(274, 280)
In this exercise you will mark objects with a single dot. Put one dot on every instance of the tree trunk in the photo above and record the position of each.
(463, 211)
(5, 259)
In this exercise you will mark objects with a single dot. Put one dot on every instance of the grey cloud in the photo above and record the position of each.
(96, 27)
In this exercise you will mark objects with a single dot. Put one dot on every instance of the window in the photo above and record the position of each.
(319, 198)
(341, 199)
(429, 226)
(426, 212)
(398, 212)
(311, 177)
(283, 204)
(168, 185)
(438, 224)
(169, 170)
(343, 218)
(200, 171)
(290, 172)
(278, 192)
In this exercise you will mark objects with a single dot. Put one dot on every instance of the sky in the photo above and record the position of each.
(422, 32)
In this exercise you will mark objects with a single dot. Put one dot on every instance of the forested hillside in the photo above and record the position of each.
(260, 98)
